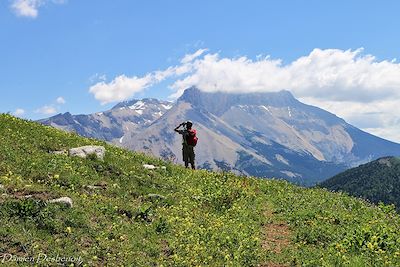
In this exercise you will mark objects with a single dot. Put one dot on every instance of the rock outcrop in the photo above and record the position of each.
(62, 200)
(85, 151)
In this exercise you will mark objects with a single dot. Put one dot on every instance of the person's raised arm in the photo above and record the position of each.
(177, 127)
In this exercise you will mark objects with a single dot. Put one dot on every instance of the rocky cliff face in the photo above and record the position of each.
(112, 125)
(261, 134)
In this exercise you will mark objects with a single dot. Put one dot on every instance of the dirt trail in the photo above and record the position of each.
(276, 237)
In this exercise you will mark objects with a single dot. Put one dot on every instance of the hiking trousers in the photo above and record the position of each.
(188, 154)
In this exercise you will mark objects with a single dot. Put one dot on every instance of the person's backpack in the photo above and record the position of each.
(191, 139)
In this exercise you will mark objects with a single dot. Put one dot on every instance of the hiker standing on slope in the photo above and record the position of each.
(189, 141)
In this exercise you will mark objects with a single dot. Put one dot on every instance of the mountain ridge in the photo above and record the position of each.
(111, 125)
(251, 134)
(219, 102)
(377, 181)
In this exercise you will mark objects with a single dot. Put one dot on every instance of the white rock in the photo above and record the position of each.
(85, 151)
(149, 166)
(63, 200)
(385, 161)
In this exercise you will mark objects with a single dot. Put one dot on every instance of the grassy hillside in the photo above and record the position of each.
(376, 181)
(197, 218)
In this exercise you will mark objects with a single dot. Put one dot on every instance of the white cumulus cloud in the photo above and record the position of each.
(354, 85)
(190, 57)
(30, 8)
(52, 108)
(123, 87)
(60, 100)
(19, 112)
(325, 74)
(46, 110)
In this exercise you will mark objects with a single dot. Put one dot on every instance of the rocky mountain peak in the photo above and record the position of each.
(219, 102)
(137, 102)
(260, 134)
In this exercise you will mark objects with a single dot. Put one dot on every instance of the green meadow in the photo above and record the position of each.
(126, 215)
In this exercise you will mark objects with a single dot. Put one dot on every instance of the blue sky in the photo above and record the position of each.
(53, 52)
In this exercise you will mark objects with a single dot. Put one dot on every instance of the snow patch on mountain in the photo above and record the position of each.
(266, 108)
(280, 158)
(139, 105)
(291, 174)
(167, 106)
